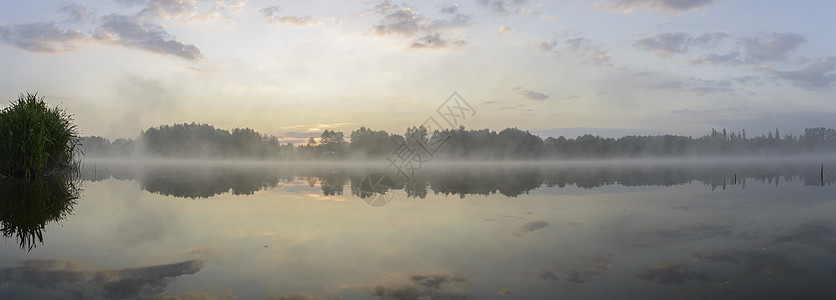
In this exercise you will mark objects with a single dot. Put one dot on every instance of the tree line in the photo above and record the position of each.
(205, 141)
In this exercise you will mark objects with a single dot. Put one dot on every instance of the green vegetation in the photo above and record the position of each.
(35, 140)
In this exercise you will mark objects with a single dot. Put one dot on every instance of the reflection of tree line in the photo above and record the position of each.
(512, 181)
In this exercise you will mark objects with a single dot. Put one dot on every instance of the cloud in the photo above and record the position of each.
(434, 40)
(270, 14)
(700, 86)
(504, 30)
(76, 12)
(404, 21)
(428, 33)
(753, 50)
(133, 33)
(531, 95)
(449, 9)
(589, 52)
(733, 58)
(504, 6)
(168, 9)
(669, 43)
(547, 46)
(219, 12)
(815, 76)
(41, 37)
(628, 6)
(771, 47)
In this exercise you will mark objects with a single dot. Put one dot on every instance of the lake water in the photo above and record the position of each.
(641, 230)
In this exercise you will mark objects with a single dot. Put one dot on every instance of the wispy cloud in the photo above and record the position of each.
(817, 75)
(669, 43)
(270, 14)
(629, 6)
(754, 50)
(41, 37)
(531, 95)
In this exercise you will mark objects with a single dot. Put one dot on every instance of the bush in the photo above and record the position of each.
(35, 140)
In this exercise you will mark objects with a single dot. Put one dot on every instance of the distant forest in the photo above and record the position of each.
(206, 141)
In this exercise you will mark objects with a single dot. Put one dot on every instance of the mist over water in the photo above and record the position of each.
(707, 227)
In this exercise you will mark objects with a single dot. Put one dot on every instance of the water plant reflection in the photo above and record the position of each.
(27, 206)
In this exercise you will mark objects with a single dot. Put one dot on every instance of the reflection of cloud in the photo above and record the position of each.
(435, 281)
(695, 232)
(120, 283)
(531, 226)
(593, 267)
(773, 265)
(547, 275)
(425, 286)
(671, 274)
(195, 296)
(296, 296)
(812, 235)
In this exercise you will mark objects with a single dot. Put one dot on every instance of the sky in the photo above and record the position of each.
(295, 68)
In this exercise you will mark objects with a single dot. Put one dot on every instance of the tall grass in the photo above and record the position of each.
(35, 139)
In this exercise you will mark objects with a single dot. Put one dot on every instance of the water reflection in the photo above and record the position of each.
(68, 278)
(203, 181)
(26, 207)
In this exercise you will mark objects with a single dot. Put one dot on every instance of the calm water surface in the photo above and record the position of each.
(575, 231)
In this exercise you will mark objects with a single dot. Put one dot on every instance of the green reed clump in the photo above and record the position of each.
(35, 139)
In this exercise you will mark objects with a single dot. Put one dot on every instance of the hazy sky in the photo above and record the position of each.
(295, 68)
